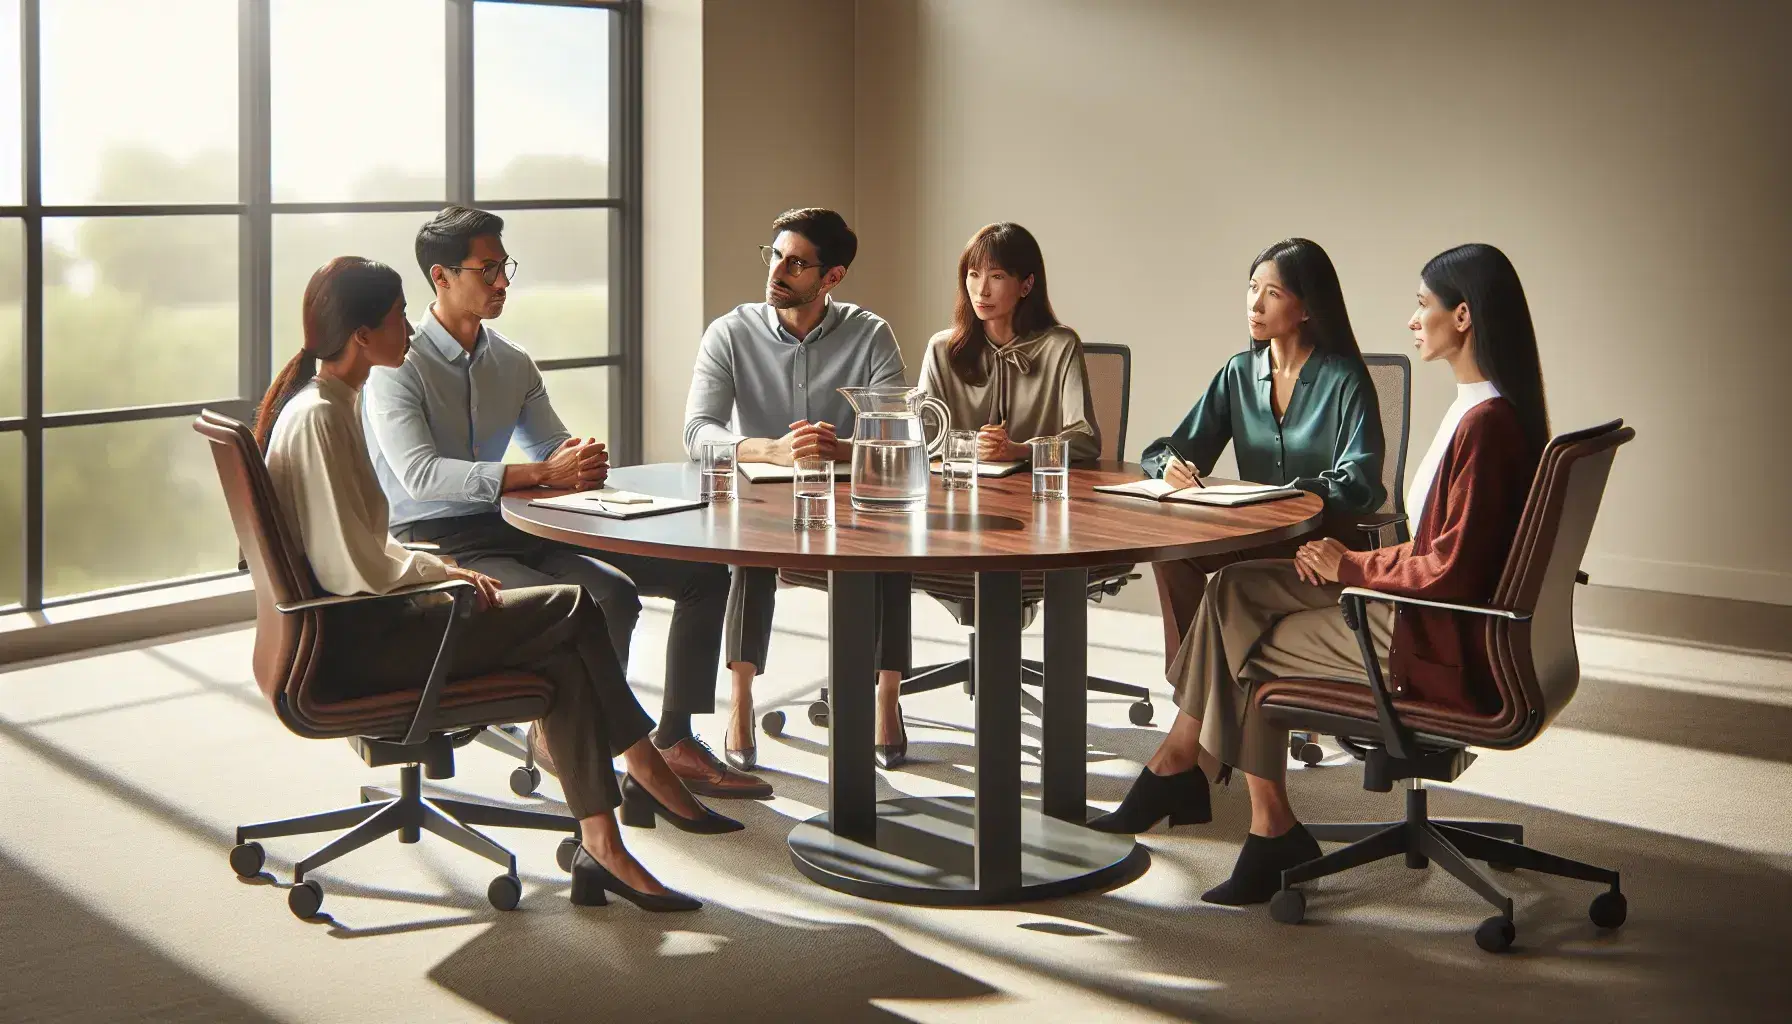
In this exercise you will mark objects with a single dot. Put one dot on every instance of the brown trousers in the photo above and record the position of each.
(1181, 584)
(555, 632)
(1260, 621)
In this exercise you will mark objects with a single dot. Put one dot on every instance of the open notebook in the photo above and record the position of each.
(611, 503)
(771, 472)
(993, 468)
(1227, 495)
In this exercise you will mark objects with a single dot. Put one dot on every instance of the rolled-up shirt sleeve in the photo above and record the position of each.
(395, 414)
(709, 409)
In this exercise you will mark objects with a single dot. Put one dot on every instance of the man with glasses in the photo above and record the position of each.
(765, 377)
(438, 427)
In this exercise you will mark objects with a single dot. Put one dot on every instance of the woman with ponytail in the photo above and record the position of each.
(1279, 618)
(310, 427)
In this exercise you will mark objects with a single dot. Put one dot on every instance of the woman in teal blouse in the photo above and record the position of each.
(1297, 406)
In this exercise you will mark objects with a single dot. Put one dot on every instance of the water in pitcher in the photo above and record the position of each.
(889, 463)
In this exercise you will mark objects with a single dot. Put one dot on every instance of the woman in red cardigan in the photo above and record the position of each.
(1271, 619)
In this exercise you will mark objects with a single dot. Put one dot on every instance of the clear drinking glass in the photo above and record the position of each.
(958, 461)
(812, 492)
(1051, 469)
(718, 471)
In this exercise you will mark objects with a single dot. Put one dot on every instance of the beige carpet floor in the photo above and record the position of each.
(123, 773)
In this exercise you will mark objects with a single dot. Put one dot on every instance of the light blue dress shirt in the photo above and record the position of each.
(438, 426)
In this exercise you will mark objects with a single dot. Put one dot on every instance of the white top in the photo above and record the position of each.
(318, 459)
(1467, 397)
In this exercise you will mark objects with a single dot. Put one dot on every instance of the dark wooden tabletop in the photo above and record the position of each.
(1000, 528)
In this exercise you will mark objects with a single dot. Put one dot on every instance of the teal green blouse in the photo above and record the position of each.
(1328, 442)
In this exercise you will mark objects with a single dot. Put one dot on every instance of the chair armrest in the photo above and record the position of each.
(1474, 609)
(1373, 526)
(420, 545)
(331, 600)
(464, 595)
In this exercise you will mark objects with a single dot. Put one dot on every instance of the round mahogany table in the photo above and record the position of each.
(992, 847)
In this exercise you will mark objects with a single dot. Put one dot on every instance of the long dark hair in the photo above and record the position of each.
(1308, 272)
(345, 295)
(1015, 250)
(1505, 341)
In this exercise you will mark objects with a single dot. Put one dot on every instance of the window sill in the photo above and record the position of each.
(127, 618)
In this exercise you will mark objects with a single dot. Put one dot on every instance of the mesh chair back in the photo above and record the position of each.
(1391, 373)
(1110, 388)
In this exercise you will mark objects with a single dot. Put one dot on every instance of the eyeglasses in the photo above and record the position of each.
(772, 257)
(490, 271)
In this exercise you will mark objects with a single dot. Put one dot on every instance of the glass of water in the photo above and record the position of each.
(718, 471)
(1051, 469)
(812, 491)
(958, 461)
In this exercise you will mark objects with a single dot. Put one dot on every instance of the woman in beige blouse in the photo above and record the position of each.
(1007, 369)
(309, 425)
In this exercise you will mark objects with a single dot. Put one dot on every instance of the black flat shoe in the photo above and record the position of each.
(590, 880)
(893, 755)
(640, 807)
(1258, 874)
(1181, 797)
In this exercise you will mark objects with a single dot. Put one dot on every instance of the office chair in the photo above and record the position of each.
(1391, 374)
(1532, 659)
(1109, 369)
(417, 729)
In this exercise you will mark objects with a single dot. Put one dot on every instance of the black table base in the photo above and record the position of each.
(990, 848)
(924, 853)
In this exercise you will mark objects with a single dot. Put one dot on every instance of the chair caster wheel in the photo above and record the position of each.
(1288, 906)
(524, 779)
(1609, 909)
(563, 856)
(1309, 753)
(1139, 712)
(304, 899)
(1496, 934)
(1501, 866)
(246, 859)
(504, 892)
(773, 723)
(818, 714)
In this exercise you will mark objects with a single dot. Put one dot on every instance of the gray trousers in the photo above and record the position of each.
(1259, 621)
(487, 544)
(554, 632)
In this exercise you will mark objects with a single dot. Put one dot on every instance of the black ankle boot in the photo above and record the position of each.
(1258, 874)
(1181, 797)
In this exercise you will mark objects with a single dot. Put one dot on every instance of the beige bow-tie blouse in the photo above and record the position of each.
(1038, 386)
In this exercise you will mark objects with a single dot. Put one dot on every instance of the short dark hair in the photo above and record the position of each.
(448, 237)
(834, 242)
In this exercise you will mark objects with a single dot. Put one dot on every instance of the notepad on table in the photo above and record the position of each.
(617, 504)
(992, 468)
(772, 473)
(1226, 495)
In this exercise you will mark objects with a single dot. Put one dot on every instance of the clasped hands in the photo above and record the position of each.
(809, 441)
(1317, 561)
(994, 445)
(579, 464)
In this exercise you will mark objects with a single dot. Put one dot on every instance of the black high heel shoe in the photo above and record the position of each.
(1181, 797)
(590, 880)
(893, 755)
(1257, 875)
(639, 807)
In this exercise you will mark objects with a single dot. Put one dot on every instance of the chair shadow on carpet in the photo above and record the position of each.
(616, 963)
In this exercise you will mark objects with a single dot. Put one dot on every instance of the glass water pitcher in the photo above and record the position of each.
(890, 451)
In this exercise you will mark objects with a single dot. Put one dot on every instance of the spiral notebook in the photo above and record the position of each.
(772, 473)
(616, 504)
(1224, 495)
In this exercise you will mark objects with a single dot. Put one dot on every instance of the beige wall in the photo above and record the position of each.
(1631, 158)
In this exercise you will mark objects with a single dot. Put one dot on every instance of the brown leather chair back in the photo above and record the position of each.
(284, 644)
(1110, 390)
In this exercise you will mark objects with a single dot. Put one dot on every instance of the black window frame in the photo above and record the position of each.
(255, 210)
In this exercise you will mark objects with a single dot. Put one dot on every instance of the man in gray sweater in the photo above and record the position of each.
(766, 377)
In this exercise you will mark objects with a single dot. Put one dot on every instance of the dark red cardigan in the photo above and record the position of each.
(1456, 554)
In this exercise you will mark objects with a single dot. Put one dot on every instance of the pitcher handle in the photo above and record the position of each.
(928, 402)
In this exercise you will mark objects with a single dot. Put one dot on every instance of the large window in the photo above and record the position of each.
(172, 172)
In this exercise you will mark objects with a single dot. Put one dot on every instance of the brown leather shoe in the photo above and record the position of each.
(705, 775)
(539, 747)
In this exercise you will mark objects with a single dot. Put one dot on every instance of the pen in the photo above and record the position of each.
(1184, 463)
